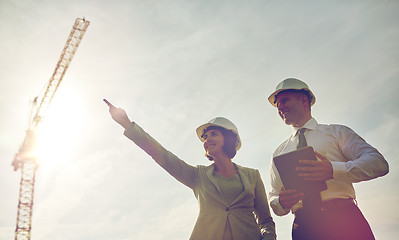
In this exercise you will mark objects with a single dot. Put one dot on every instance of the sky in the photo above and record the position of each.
(174, 65)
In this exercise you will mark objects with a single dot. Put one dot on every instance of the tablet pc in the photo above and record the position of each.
(286, 164)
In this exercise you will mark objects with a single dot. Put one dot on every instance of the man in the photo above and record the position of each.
(343, 157)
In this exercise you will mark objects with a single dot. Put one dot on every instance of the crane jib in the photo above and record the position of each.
(23, 159)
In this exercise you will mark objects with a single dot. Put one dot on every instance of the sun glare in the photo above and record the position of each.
(59, 129)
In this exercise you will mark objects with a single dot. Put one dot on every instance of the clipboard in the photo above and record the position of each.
(286, 164)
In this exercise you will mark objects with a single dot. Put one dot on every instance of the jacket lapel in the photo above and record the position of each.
(242, 174)
(244, 180)
(211, 178)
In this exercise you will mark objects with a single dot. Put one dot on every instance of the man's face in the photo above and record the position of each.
(292, 108)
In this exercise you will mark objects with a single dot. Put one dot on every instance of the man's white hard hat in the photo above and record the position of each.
(219, 122)
(294, 84)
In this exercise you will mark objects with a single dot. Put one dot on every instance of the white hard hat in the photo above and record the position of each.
(291, 83)
(219, 122)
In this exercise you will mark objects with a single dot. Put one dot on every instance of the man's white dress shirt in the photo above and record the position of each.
(353, 160)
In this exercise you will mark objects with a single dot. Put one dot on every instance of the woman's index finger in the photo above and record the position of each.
(108, 103)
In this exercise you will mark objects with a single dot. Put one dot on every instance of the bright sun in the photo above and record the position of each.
(59, 128)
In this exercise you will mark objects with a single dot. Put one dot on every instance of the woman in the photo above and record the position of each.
(231, 198)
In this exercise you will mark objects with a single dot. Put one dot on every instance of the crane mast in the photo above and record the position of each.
(24, 159)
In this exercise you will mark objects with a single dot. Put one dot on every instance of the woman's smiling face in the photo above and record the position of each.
(214, 142)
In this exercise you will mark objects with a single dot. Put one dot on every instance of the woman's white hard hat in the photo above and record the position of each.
(291, 83)
(219, 122)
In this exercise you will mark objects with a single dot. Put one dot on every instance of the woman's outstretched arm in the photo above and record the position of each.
(182, 171)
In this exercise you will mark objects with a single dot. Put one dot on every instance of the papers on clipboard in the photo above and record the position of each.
(286, 164)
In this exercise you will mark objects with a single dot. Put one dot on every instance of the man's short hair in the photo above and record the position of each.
(303, 91)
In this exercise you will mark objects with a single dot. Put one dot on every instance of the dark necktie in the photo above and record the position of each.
(310, 200)
(301, 139)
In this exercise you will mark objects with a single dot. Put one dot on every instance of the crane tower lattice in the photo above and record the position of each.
(23, 159)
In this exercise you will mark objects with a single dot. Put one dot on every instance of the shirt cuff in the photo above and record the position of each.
(339, 170)
(277, 208)
(127, 130)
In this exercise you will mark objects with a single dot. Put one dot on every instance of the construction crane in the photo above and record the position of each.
(25, 159)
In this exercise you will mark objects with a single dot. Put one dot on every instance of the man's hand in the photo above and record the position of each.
(320, 170)
(289, 198)
(119, 115)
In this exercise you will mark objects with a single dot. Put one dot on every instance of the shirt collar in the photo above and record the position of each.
(311, 124)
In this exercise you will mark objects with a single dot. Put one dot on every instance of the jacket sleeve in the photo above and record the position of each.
(176, 167)
(262, 211)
